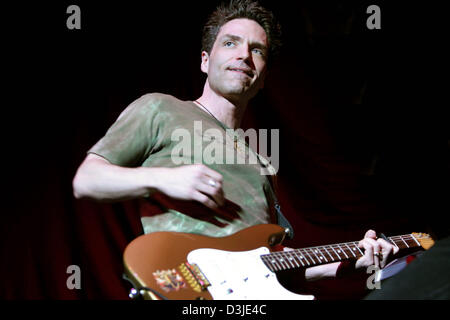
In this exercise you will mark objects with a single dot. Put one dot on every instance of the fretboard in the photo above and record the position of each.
(313, 256)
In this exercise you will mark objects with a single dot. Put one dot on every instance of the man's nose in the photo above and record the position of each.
(245, 54)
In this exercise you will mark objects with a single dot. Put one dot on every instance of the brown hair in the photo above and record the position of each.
(237, 9)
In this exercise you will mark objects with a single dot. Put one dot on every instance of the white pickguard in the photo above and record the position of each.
(240, 275)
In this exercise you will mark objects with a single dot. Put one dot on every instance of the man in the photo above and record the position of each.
(136, 158)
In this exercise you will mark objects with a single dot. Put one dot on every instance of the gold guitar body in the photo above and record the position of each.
(159, 252)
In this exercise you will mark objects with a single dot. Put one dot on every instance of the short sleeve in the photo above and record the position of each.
(129, 141)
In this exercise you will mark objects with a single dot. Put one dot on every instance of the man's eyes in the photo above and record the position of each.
(229, 43)
(258, 51)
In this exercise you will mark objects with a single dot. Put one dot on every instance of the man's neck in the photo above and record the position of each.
(228, 112)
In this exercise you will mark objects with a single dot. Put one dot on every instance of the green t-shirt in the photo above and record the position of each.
(159, 130)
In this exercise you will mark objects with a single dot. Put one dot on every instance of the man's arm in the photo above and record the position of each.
(100, 180)
(370, 244)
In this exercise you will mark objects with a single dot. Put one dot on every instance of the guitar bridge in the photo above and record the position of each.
(194, 277)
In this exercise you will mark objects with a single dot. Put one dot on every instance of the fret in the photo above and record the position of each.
(341, 250)
(344, 250)
(337, 256)
(267, 263)
(301, 257)
(394, 242)
(318, 259)
(354, 255)
(292, 258)
(280, 260)
(329, 253)
(398, 242)
(320, 251)
(295, 260)
(360, 252)
(286, 257)
(275, 264)
(289, 258)
(356, 250)
(417, 242)
(404, 242)
(283, 260)
(312, 260)
(279, 264)
(305, 256)
(316, 251)
(410, 240)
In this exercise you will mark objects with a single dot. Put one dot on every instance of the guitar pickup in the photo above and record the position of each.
(194, 277)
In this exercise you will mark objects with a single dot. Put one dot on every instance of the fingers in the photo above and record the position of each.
(371, 252)
(377, 251)
(210, 185)
(395, 249)
(204, 199)
(209, 173)
(386, 250)
(214, 191)
(372, 249)
(370, 234)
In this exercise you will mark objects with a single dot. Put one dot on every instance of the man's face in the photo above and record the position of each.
(236, 66)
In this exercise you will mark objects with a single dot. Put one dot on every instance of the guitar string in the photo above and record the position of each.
(339, 245)
(323, 249)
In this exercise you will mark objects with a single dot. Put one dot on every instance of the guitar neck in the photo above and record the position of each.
(314, 256)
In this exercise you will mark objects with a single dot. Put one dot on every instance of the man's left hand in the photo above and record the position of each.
(377, 251)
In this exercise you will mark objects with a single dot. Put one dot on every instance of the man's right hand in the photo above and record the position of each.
(192, 182)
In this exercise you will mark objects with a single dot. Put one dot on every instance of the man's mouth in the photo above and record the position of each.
(247, 72)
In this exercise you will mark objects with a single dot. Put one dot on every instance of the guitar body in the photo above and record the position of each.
(187, 266)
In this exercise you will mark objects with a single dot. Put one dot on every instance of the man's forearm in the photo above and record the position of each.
(322, 271)
(102, 181)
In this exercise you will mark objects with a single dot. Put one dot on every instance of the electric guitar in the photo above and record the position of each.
(172, 265)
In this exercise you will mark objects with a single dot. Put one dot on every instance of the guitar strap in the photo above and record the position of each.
(283, 222)
(281, 219)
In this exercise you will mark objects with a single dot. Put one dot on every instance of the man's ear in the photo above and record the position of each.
(205, 62)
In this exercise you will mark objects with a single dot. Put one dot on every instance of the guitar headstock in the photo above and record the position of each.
(424, 239)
